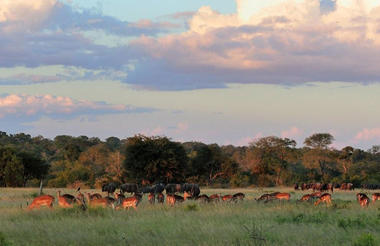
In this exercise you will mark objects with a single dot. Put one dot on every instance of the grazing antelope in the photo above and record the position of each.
(227, 198)
(172, 199)
(132, 201)
(326, 198)
(281, 196)
(187, 195)
(95, 196)
(375, 196)
(203, 198)
(363, 199)
(44, 200)
(214, 198)
(160, 198)
(306, 197)
(316, 194)
(102, 202)
(265, 197)
(151, 198)
(238, 196)
(66, 200)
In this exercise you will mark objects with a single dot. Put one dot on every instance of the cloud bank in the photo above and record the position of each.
(15, 105)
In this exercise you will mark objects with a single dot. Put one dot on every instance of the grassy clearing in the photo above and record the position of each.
(191, 223)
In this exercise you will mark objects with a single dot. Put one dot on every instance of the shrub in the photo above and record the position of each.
(365, 239)
(191, 207)
(4, 241)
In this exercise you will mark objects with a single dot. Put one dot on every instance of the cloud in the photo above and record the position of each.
(276, 42)
(368, 134)
(21, 105)
(291, 133)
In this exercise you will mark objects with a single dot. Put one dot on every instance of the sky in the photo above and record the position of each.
(216, 71)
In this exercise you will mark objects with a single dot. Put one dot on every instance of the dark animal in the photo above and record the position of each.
(296, 187)
(173, 188)
(109, 188)
(158, 188)
(130, 188)
(192, 189)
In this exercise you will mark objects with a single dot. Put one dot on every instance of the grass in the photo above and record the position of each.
(192, 223)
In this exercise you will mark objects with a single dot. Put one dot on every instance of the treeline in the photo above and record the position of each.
(68, 161)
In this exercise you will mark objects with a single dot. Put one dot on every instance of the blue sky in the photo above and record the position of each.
(219, 71)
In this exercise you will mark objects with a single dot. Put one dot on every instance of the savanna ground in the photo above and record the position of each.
(192, 223)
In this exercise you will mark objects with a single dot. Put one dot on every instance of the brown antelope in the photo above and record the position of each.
(44, 200)
(306, 197)
(66, 200)
(281, 196)
(132, 201)
(95, 196)
(316, 194)
(152, 198)
(238, 196)
(160, 198)
(203, 198)
(102, 202)
(326, 198)
(172, 199)
(265, 197)
(375, 196)
(227, 198)
(363, 199)
(214, 198)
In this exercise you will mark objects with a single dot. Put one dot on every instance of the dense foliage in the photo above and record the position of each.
(71, 161)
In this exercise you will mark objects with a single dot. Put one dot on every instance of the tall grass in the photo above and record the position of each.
(192, 223)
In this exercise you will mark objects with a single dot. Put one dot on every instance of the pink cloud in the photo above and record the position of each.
(247, 140)
(368, 134)
(182, 127)
(15, 104)
(291, 133)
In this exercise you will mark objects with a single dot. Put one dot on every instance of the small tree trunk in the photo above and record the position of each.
(40, 187)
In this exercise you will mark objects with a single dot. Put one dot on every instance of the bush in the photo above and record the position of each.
(4, 241)
(365, 239)
(191, 207)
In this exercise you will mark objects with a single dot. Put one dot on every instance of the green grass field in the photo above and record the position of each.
(192, 223)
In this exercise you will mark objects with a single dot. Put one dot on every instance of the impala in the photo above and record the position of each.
(44, 200)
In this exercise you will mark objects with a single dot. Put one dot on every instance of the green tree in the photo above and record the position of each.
(11, 168)
(318, 156)
(154, 159)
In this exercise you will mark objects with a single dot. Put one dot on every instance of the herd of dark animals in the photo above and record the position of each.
(190, 192)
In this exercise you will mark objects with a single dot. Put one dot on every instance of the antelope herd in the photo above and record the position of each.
(189, 191)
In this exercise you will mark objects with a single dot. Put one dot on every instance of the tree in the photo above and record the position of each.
(11, 168)
(317, 156)
(319, 140)
(270, 157)
(34, 166)
(345, 158)
(156, 159)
